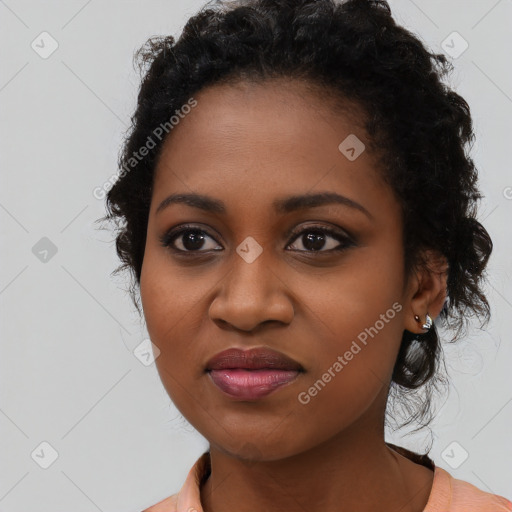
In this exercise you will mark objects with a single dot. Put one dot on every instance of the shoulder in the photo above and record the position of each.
(466, 497)
(167, 505)
(189, 496)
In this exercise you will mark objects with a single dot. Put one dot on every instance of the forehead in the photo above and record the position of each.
(231, 111)
(270, 138)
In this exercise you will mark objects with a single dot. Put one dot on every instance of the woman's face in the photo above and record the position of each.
(336, 301)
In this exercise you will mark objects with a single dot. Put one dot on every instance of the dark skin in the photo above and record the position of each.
(248, 145)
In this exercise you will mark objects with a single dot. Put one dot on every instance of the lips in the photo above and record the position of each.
(249, 375)
(254, 359)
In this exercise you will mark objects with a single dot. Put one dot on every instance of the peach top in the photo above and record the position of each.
(448, 494)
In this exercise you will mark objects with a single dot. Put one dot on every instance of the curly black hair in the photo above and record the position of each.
(420, 129)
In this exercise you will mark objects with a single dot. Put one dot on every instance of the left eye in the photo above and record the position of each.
(315, 239)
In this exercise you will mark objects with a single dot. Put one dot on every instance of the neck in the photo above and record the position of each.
(355, 470)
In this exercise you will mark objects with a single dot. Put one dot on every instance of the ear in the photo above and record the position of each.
(426, 290)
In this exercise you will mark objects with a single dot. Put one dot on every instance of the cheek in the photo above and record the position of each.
(353, 366)
(370, 316)
(169, 295)
(173, 306)
(365, 290)
(355, 317)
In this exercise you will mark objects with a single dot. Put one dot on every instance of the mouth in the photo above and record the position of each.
(251, 374)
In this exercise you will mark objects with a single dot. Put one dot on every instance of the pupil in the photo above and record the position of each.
(193, 240)
(316, 240)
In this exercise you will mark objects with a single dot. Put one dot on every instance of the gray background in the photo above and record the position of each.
(68, 373)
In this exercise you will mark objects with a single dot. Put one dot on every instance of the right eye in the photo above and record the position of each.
(188, 239)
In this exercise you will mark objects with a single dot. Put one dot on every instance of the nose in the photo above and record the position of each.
(252, 294)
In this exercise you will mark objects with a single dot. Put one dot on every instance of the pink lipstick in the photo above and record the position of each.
(251, 374)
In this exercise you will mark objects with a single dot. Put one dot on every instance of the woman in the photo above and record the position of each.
(297, 207)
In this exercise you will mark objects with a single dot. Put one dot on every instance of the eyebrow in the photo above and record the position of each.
(286, 205)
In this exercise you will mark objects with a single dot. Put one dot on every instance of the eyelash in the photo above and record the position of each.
(168, 238)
